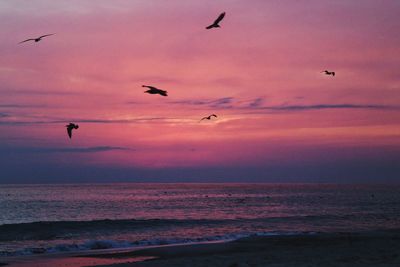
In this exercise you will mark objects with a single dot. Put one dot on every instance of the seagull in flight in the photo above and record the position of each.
(329, 72)
(36, 39)
(70, 127)
(215, 23)
(208, 117)
(153, 90)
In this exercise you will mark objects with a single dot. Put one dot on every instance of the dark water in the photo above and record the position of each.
(53, 218)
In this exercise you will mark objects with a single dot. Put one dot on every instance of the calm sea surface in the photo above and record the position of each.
(54, 218)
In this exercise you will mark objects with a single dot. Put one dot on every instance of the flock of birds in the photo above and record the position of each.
(152, 89)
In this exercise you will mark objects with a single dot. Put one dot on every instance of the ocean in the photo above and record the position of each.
(40, 219)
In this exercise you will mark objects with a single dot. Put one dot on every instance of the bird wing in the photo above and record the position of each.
(69, 130)
(333, 73)
(162, 92)
(209, 27)
(214, 115)
(150, 87)
(203, 118)
(219, 18)
(46, 35)
(26, 40)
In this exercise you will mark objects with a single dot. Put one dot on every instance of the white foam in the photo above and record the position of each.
(112, 244)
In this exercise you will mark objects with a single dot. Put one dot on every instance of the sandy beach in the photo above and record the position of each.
(341, 249)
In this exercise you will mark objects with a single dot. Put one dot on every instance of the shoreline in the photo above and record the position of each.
(377, 248)
(47, 259)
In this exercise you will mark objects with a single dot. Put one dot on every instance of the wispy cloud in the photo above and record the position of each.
(248, 106)
(94, 121)
(224, 102)
(87, 149)
(21, 106)
(46, 150)
(156, 79)
(257, 104)
(325, 106)
(37, 92)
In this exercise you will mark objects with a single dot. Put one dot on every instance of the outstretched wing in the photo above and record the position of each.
(69, 130)
(46, 35)
(214, 115)
(203, 119)
(162, 92)
(150, 87)
(26, 40)
(221, 17)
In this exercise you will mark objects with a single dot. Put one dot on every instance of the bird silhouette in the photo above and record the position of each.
(36, 39)
(215, 23)
(209, 117)
(153, 90)
(328, 72)
(71, 126)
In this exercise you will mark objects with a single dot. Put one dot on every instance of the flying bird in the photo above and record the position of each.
(215, 23)
(208, 117)
(153, 90)
(328, 72)
(36, 39)
(70, 127)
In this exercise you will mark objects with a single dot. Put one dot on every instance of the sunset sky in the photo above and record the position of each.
(279, 118)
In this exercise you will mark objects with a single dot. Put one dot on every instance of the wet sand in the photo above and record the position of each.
(341, 249)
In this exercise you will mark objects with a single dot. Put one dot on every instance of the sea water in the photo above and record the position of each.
(73, 217)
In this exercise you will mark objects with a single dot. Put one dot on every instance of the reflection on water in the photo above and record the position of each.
(100, 216)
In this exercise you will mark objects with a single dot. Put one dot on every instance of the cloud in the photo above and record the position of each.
(4, 115)
(87, 149)
(38, 92)
(135, 103)
(95, 121)
(156, 79)
(324, 106)
(21, 106)
(224, 102)
(191, 102)
(46, 150)
(257, 104)
(122, 121)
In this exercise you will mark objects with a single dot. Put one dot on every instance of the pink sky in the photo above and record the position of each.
(260, 73)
